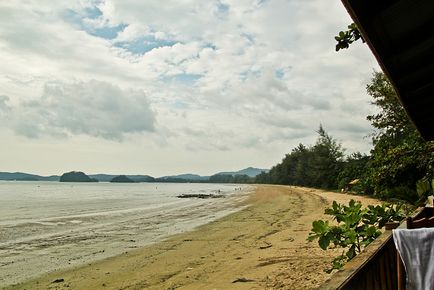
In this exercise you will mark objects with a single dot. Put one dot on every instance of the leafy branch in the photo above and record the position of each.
(356, 228)
(345, 38)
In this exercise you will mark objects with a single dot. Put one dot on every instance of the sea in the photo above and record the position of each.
(47, 226)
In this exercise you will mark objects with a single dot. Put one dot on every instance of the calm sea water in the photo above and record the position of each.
(46, 226)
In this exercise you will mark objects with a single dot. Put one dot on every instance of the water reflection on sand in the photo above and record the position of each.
(46, 226)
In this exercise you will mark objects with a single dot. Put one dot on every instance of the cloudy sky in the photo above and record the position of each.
(167, 87)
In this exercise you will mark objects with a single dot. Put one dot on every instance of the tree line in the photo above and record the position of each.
(400, 164)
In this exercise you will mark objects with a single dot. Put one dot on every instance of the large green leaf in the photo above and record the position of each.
(320, 226)
(324, 242)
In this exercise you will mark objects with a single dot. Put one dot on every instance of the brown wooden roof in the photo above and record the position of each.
(400, 33)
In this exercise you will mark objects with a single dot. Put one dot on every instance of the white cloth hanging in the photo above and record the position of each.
(416, 247)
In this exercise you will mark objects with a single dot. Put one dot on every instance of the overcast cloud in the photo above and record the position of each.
(152, 87)
(94, 108)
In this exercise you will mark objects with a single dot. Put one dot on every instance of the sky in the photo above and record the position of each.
(169, 87)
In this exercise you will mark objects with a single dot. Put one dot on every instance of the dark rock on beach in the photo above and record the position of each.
(200, 195)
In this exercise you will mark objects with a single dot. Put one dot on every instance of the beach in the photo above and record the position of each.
(51, 226)
(262, 246)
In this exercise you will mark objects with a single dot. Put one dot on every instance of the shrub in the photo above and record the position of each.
(356, 228)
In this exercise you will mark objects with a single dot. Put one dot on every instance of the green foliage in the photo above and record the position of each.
(326, 160)
(228, 178)
(355, 228)
(314, 166)
(391, 122)
(400, 156)
(354, 167)
(379, 215)
(347, 37)
(424, 188)
(399, 159)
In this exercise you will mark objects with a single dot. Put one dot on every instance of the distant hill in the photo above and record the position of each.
(141, 178)
(76, 176)
(249, 171)
(26, 176)
(103, 177)
(187, 176)
(50, 178)
(135, 178)
(122, 179)
(218, 177)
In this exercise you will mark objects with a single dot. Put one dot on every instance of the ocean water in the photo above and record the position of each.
(45, 226)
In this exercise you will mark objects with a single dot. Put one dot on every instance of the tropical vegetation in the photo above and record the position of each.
(355, 227)
(399, 166)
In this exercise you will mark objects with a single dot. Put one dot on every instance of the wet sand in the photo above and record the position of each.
(260, 247)
(45, 227)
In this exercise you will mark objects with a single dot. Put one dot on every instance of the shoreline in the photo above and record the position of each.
(67, 234)
(262, 246)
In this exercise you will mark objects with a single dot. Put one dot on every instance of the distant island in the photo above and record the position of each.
(136, 178)
(20, 176)
(246, 175)
(122, 179)
(76, 176)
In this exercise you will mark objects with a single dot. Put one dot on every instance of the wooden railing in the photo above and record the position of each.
(376, 267)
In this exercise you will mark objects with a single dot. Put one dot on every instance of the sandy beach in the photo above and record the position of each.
(262, 246)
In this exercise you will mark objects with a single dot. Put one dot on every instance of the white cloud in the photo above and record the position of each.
(132, 32)
(188, 76)
(92, 108)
